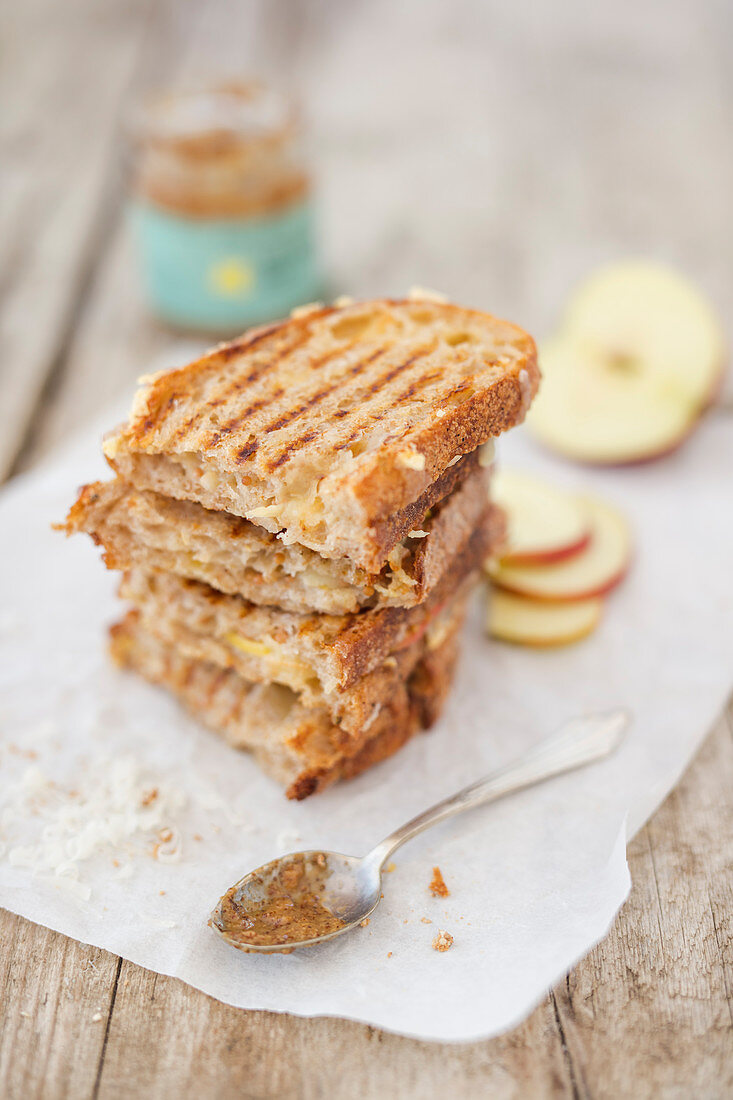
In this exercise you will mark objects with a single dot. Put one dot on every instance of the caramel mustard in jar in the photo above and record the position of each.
(221, 208)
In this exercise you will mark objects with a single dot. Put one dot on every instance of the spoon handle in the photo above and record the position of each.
(580, 741)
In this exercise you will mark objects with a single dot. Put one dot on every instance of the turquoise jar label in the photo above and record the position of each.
(222, 274)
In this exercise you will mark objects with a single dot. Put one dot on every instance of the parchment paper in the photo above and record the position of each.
(534, 881)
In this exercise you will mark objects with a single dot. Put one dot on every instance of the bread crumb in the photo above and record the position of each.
(391, 867)
(442, 941)
(389, 954)
(437, 886)
(303, 311)
(364, 923)
(411, 460)
(422, 294)
(425, 920)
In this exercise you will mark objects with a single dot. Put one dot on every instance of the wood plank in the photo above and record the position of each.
(659, 989)
(221, 1051)
(55, 996)
(60, 141)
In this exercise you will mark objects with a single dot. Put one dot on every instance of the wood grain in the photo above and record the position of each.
(544, 192)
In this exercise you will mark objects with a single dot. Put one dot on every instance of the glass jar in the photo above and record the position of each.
(221, 208)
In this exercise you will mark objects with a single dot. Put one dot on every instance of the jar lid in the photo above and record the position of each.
(210, 120)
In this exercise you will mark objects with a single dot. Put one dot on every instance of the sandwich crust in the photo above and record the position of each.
(331, 428)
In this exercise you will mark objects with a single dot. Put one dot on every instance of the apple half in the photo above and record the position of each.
(592, 572)
(530, 623)
(637, 359)
(544, 524)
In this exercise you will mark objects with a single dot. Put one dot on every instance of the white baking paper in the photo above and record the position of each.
(535, 881)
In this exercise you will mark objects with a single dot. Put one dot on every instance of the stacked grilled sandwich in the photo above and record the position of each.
(299, 517)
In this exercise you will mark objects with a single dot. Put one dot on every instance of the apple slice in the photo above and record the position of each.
(544, 524)
(593, 572)
(638, 358)
(644, 317)
(593, 411)
(528, 622)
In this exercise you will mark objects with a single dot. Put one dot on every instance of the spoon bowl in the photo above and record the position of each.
(324, 894)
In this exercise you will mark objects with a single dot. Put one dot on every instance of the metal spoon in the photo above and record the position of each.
(349, 888)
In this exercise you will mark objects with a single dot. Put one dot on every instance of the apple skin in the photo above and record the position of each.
(548, 557)
(591, 573)
(565, 597)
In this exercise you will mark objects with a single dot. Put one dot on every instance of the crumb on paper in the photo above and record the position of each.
(161, 892)
(437, 886)
(389, 954)
(364, 923)
(391, 867)
(149, 797)
(425, 920)
(287, 839)
(424, 294)
(442, 941)
(321, 859)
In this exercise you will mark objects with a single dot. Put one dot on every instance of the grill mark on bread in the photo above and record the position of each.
(296, 444)
(247, 451)
(270, 398)
(210, 362)
(233, 386)
(414, 387)
(237, 422)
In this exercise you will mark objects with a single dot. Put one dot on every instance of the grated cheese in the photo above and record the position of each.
(112, 807)
(411, 460)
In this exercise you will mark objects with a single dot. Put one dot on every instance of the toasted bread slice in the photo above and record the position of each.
(347, 665)
(301, 748)
(143, 529)
(336, 429)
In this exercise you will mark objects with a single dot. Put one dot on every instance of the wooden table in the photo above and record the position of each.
(525, 147)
